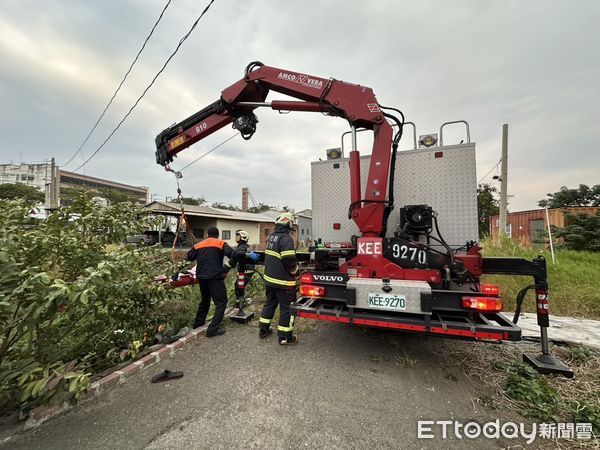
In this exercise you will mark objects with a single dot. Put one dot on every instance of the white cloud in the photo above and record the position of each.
(531, 64)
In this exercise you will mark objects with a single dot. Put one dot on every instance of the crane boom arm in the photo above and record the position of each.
(355, 103)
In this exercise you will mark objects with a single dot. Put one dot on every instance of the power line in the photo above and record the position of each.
(490, 171)
(120, 84)
(181, 41)
(210, 151)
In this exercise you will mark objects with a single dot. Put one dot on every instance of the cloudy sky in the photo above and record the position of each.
(534, 64)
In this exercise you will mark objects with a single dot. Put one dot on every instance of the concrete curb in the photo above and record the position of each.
(39, 415)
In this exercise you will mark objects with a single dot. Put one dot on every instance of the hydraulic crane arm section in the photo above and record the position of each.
(357, 104)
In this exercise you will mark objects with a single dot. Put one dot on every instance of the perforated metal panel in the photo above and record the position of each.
(447, 183)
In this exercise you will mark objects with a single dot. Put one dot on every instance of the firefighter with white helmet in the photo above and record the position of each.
(241, 237)
(281, 268)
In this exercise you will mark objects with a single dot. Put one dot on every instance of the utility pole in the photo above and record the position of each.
(503, 180)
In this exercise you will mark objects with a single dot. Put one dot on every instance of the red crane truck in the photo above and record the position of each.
(404, 277)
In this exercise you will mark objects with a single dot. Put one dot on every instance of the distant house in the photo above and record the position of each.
(201, 218)
(530, 227)
(48, 178)
(304, 224)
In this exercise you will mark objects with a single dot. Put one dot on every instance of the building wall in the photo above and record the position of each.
(304, 228)
(200, 226)
(253, 229)
(37, 175)
(522, 223)
(75, 180)
(266, 228)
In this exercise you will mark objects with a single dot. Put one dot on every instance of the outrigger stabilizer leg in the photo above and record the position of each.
(543, 362)
(241, 316)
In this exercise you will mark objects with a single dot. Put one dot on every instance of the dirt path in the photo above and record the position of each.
(341, 387)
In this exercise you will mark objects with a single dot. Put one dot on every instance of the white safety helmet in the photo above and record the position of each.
(285, 218)
(244, 236)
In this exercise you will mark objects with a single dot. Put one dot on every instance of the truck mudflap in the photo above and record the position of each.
(478, 326)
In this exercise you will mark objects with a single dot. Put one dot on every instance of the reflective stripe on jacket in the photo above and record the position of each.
(209, 255)
(281, 265)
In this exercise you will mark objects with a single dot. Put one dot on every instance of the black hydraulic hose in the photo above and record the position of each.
(446, 246)
(519, 301)
(394, 109)
(397, 137)
(437, 230)
(250, 67)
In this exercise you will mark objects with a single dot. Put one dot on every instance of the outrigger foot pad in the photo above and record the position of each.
(242, 317)
(547, 364)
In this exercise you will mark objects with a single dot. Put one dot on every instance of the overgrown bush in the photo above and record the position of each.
(73, 300)
(582, 233)
(539, 399)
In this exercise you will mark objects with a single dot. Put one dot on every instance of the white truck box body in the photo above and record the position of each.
(446, 181)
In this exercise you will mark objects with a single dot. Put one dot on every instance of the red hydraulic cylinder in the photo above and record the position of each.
(355, 191)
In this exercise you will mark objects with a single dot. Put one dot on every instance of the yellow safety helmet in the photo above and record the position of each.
(285, 218)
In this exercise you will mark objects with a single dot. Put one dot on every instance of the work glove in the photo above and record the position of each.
(253, 256)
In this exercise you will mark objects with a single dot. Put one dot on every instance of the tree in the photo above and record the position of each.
(581, 233)
(194, 201)
(17, 191)
(565, 197)
(224, 206)
(487, 206)
(259, 209)
(115, 196)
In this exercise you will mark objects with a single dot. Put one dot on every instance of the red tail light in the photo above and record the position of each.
(312, 291)
(306, 278)
(490, 289)
(482, 303)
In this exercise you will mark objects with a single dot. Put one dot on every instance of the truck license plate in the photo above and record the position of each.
(387, 301)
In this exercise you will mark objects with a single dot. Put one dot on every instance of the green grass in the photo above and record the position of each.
(574, 281)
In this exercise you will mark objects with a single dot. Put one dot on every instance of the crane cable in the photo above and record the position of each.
(489, 171)
(182, 217)
(181, 41)
(178, 175)
(120, 85)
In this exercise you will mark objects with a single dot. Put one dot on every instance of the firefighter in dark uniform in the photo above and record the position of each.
(281, 268)
(209, 255)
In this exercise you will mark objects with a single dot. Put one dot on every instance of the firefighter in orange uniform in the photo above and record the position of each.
(209, 255)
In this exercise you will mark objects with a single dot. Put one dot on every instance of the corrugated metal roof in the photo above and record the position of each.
(305, 213)
(205, 211)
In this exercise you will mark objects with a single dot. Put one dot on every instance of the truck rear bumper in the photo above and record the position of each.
(488, 326)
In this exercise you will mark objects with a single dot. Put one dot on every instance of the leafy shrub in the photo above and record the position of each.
(72, 302)
(538, 398)
(584, 412)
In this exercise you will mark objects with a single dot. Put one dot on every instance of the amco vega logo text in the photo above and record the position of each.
(304, 80)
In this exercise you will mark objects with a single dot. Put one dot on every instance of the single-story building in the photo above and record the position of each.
(201, 218)
(530, 227)
(304, 224)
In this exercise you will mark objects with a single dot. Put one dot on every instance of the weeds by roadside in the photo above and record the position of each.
(573, 280)
(514, 387)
